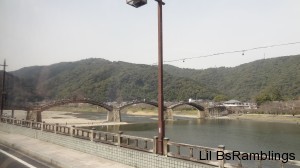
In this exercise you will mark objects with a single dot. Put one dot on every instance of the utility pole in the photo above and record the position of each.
(161, 122)
(3, 95)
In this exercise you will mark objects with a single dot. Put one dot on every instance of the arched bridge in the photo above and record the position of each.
(23, 108)
(170, 109)
(35, 112)
(197, 106)
(113, 114)
(117, 110)
(155, 104)
(68, 101)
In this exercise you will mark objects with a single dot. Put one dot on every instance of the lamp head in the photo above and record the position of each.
(136, 3)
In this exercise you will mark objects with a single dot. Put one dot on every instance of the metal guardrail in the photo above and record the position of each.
(183, 151)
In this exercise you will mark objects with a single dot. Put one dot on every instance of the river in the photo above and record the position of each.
(241, 135)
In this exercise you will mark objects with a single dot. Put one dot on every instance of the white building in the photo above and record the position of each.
(236, 103)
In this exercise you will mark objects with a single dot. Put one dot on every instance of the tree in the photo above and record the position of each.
(270, 94)
(219, 98)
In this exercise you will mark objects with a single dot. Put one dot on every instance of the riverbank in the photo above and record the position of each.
(99, 118)
(72, 118)
(266, 118)
(255, 117)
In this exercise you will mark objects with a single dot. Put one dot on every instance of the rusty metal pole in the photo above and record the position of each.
(161, 123)
(3, 88)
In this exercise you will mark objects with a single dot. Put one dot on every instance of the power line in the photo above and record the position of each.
(231, 52)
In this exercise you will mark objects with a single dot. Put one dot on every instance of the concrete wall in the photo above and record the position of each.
(126, 156)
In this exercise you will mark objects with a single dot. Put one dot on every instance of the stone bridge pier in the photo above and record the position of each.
(114, 115)
(34, 114)
(201, 114)
(169, 114)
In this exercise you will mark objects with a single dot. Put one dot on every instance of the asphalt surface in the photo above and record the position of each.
(10, 158)
(54, 155)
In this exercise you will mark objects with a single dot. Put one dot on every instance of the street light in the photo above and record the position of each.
(161, 123)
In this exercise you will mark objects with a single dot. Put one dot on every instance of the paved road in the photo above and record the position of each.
(10, 158)
(55, 154)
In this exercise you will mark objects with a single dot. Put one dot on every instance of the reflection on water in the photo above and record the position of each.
(242, 135)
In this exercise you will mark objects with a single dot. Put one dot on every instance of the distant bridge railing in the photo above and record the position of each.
(201, 154)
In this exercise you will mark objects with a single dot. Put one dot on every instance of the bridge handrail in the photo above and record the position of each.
(61, 129)
(81, 133)
(192, 154)
(214, 160)
(258, 157)
(105, 137)
(37, 125)
(26, 123)
(140, 143)
(49, 127)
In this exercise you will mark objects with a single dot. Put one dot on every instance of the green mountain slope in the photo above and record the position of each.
(104, 80)
(246, 81)
(108, 81)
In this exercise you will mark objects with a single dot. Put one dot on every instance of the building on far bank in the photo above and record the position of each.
(236, 103)
(233, 103)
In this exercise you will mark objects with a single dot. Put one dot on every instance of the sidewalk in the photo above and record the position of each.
(55, 154)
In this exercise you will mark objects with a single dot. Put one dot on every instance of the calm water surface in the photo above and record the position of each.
(242, 135)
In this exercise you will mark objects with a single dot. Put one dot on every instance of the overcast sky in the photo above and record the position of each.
(43, 32)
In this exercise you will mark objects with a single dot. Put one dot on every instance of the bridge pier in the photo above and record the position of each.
(34, 115)
(169, 114)
(114, 115)
(201, 114)
(110, 116)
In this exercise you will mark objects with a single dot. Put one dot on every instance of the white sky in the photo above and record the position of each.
(43, 32)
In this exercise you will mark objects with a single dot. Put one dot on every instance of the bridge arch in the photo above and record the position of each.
(201, 112)
(37, 110)
(197, 106)
(140, 102)
(19, 109)
(117, 111)
(68, 101)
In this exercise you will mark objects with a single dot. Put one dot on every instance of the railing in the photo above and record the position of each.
(18, 122)
(81, 133)
(36, 125)
(49, 127)
(26, 123)
(201, 154)
(105, 137)
(63, 130)
(137, 143)
(259, 159)
(191, 152)
(221, 157)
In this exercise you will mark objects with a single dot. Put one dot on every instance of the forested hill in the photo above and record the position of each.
(244, 82)
(104, 80)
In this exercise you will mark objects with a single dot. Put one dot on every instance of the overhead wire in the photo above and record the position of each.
(230, 52)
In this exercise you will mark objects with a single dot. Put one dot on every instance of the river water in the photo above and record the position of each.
(240, 135)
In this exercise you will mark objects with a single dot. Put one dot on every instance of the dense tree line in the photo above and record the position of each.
(99, 79)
